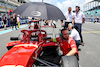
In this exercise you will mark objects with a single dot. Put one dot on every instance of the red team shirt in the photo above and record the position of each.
(66, 46)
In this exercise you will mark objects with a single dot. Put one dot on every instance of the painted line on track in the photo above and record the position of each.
(91, 32)
(9, 30)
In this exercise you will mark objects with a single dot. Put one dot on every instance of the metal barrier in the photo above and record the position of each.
(92, 19)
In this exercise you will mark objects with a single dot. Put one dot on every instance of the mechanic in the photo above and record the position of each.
(74, 34)
(67, 44)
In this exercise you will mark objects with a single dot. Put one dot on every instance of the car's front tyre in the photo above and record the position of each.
(69, 61)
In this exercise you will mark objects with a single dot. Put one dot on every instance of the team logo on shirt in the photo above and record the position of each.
(61, 44)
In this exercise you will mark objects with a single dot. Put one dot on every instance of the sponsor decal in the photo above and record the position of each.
(1, 23)
(36, 13)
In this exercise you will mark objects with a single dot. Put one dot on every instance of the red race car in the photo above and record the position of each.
(31, 51)
(24, 52)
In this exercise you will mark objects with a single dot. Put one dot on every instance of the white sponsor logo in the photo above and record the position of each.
(36, 13)
(1, 23)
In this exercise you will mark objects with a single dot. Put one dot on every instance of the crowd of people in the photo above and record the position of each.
(69, 42)
(4, 19)
(14, 20)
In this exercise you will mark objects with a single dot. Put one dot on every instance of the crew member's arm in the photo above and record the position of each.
(63, 22)
(72, 52)
(73, 21)
(83, 17)
(83, 20)
(52, 39)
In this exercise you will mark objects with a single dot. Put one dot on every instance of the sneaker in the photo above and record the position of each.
(82, 43)
(79, 49)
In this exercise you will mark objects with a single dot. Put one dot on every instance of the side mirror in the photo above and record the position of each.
(14, 38)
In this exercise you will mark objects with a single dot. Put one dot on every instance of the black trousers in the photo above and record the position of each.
(66, 24)
(79, 28)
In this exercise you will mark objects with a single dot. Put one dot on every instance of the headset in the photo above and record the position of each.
(67, 29)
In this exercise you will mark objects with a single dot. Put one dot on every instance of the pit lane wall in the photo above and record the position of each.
(92, 19)
(22, 21)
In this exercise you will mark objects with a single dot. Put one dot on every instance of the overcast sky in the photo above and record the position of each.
(64, 4)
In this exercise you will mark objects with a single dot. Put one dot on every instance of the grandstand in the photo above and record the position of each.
(92, 11)
(6, 5)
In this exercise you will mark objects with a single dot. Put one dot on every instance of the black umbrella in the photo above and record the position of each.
(40, 10)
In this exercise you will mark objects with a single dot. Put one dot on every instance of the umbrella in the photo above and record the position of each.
(40, 10)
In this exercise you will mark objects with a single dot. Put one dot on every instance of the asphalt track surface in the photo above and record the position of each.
(89, 54)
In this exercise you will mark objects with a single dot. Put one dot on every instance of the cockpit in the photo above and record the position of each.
(34, 36)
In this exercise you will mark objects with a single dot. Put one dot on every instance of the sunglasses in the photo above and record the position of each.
(64, 33)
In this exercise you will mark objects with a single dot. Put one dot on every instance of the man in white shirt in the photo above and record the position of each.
(79, 19)
(74, 34)
(18, 20)
(69, 18)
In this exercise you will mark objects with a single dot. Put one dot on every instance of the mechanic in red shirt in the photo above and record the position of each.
(67, 44)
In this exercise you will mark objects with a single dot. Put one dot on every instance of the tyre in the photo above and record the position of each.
(69, 61)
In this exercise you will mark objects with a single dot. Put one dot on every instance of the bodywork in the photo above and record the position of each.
(22, 52)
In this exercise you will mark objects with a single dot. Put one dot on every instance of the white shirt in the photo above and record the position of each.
(69, 17)
(18, 19)
(74, 34)
(79, 17)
